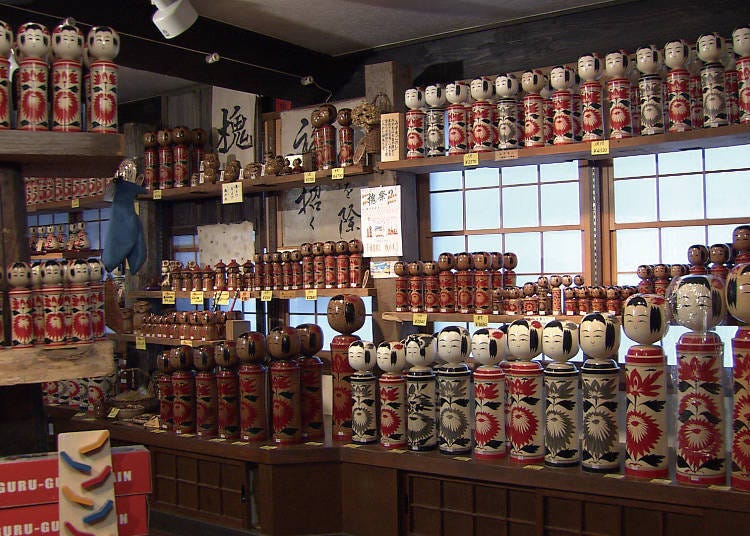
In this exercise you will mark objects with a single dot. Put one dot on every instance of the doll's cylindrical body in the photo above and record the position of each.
(364, 409)
(454, 430)
(330, 271)
(66, 96)
(562, 121)
(465, 291)
(96, 308)
(37, 298)
(286, 402)
(206, 404)
(53, 313)
(253, 396)
(341, 373)
(731, 86)
(324, 139)
(600, 449)
(355, 269)
(620, 118)
(447, 282)
(79, 308)
(166, 400)
(416, 293)
(489, 412)
(431, 293)
(533, 120)
(678, 100)
(392, 410)
(696, 102)
(561, 415)
(457, 121)
(5, 94)
(743, 89)
(346, 146)
(227, 390)
(33, 113)
(646, 449)
(319, 272)
(311, 371)
(482, 126)
(415, 145)
(181, 165)
(183, 407)
(506, 113)
(342, 270)
(308, 272)
(524, 426)
(700, 421)
(435, 127)
(98, 388)
(421, 419)
(741, 417)
(103, 97)
(402, 293)
(166, 167)
(482, 291)
(651, 97)
(714, 95)
(591, 111)
(150, 168)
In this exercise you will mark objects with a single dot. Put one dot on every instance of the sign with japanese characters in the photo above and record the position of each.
(233, 124)
(297, 131)
(381, 221)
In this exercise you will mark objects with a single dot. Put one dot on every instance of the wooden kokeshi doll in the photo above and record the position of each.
(676, 57)
(206, 399)
(421, 393)
(319, 265)
(183, 387)
(661, 279)
(457, 93)
(435, 120)
(447, 282)
(590, 69)
(599, 338)
(6, 44)
(555, 282)
(67, 47)
(415, 270)
(228, 390)
(276, 273)
(506, 111)
(324, 136)
(548, 111)
(731, 84)
(283, 345)
(711, 49)
(482, 262)
(698, 258)
(181, 137)
(464, 283)
(530, 301)
(391, 359)
(103, 45)
(644, 320)
(49, 304)
(21, 303)
(166, 394)
(453, 379)
(488, 346)
(33, 41)
(415, 143)
(619, 96)
(329, 262)
(431, 286)
(166, 161)
(355, 262)
(741, 46)
(645, 273)
(150, 162)
(738, 304)
(346, 137)
(560, 343)
(532, 83)
(78, 274)
(650, 90)
(311, 373)
(719, 255)
(510, 261)
(481, 109)
(362, 357)
(402, 286)
(562, 79)
(37, 299)
(342, 264)
(96, 297)
(295, 262)
(253, 384)
(308, 266)
(741, 244)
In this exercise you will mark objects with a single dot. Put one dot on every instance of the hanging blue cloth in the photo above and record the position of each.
(124, 238)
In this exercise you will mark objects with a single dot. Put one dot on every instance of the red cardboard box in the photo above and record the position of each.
(32, 479)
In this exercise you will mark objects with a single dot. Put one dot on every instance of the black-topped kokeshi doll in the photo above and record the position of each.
(330, 265)
(21, 305)
(362, 358)
(283, 345)
(676, 57)
(227, 390)
(103, 45)
(488, 346)
(698, 259)
(482, 262)
(206, 399)
(253, 383)
(311, 372)
(741, 47)
(457, 93)
(510, 261)
(391, 359)
(181, 138)
(415, 102)
(590, 69)
(464, 283)
(308, 267)
(599, 338)
(435, 120)
(619, 96)
(560, 343)
(324, 136)
(719, 255)
(711, 48)
(183, 388)
(32, 48)
(648, 60)
(644, 320)
(6, 45)
(562, 78)
(506, 111)
(166, 161)
(421, 392)
(342, 264)
(402, 286)
(453, 380)
(356, 262)
(532, 82)
(431, 286)
(482, 90)
(447, 282)
(319, 265)
(738, 304)
(415, 269)
(67, 47)
(166, 395)
(346, 137)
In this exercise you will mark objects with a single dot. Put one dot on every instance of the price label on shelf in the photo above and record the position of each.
(168, 297)
(156, 195)
(140, 342)
(222, 298)
(245, 295)
(462, 458)
(75, 203)
(217, 440)
(314, 443)
(481, 321)
(599, 147)
(196, 297)
(268, 447)
(662, 481)
(419, 319)
(337, 173)
(533, 467)
(137, 208)
(243, 443)
(506, 154)
(113, 413)
(266, 295)
(287, 294)
(186, 342)
(471, 159)
(718, 487)
(310, 177)
(231, 192)
(311, 294)
(615, 476)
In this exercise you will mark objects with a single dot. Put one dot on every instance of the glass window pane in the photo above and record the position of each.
(636, 246)
(560, 171)
(451, 244)
(482, 209)
(628, 279)
(560, 204)
(519, 175)
(635, 166)
(635, 200)
(720, 233)
(478, 177)
(446, 211)
(90, 215)
(445, 180)
(485, 242)
(728, 157)
(726, 194)
(681, 162)
(681, 197)
(301, 306)
(92, 229)
(527, 246)
(675, 242)
(182, 240)
(105, 213)
(520, 207)
(45, 219)
(296, 320)
(103, 226)
(562, 252)
(60, 218)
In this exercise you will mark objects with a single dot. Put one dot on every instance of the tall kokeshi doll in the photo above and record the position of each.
(362, 357)
(346, 137)
(590, 69)
(464, 283)
(391, 359)
(227, 390)
(488, 346)
(481, 110)
(562, 79)
(346, 314)
(33, 42)
(548, 110)
(731, 81)
(697, 303)
(741, 45)
(356, 262)
(676, 57)
(431, 287)
(181, 156)
(311, 370)
(696, 94)
(103, 44)
(711, 49)
(183, 389)
(616, 66)
(52, 306)
(738, 304)
(67, 77)
(649, 63)
(206, 400)
(6, 44)
(453, 380)
(421, 393)
(415, 270)
(402, 286)
(506, 90)
(21, 305)
(560, 343)
(482, 262)
(283, 345)
(324, 136)
(599, 338)
(435, 126)
(253, 381)
(634, 75)
(166, 161)
(447, 280)
(644, 320)
(523, 381)
(166, 395)
(457, 93)
(415, 143)
(532, 83)
(78, 273)
(37, 297)
(96, 297)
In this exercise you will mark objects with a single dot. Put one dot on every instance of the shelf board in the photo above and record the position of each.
(62, 154)
(637, 145)
(394, 316)
(255, 294)
(73, 254)
(84, 203)
(163, 341)
(43, 363)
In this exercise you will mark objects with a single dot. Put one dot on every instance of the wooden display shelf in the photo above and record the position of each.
(394, 316)
(67, 254)
(84, 203)
(637, 145)
(62, 154)
(163, 341)
(256, 294)
(43, 363)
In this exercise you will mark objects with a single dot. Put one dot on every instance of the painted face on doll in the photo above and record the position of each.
(738, 292)
(616, 64)
(391, 356)
(561, 77)
(103, 43)
(590, 67)
(710, 47)
(362, 355)
(648, 59)
(506, 85)
(599, 335)
(454, 344)
(676, 54)
(560, 340)
(644, 318)
(741, 41)
(698, 302)
(33, 40)
(420, 350)
(525, 339)
(19, 275)
(488, 346)
(6, 39)
(457, 92)
(533, 81)
(67, 42)
(481, 89)
(414, 98)
(435, 96)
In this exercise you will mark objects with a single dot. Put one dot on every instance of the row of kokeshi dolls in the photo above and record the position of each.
(55, 302)
(312, 266)
(52, 238)
(174, 158)
(184, 325)
(50, 80)
(674, 89)
(82, 393)
(49, 190)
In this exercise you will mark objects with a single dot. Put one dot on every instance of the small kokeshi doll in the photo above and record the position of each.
(543, 294)
(613, 303)
(649, 63)
(206, 399)
(362, 358)
(346, 137)
(532, 82)
(402, 286)
(719, 255)
(741, 244)
(435, 120)
(741, 46)
(598, 299)
(6, 45)
(341, 250)
(283, 345)
(415, 269)
(555, 282)
(530, 301)
(488, 347)
(645, 273)
(324, 135)
(457, 94)
(356, 248)
(731, 81)
(464, 283)
(311, 370)
(415, 123)
(698, 259)
(510, 261)
(421, 389)
(482, 262)
(571, 301)
(252, 376)
(431, 286)
(391, 359)
(590, 69)
(583, 297)
(181, 138)
(21, 303)
(619, 96)
(482, 90)
(711, 49)
(447, 281)
(676, 58)
(319, 265)
(453, 380)
(506, 89)
(150, 161)
(166, 160)
(183, 388)
(329, 260)
(562, 79)
(512, 300)
(661, 278)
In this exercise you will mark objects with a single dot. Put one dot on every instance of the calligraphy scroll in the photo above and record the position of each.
(233, 124)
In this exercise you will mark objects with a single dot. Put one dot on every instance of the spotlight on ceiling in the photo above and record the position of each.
(173, 17)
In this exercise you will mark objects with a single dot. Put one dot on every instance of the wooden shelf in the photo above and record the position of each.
(84, 203)
(394, 316)
(638, 145)
(43, 363)
(62, 154)
(255, 294)
(68, 254)
(163, 341)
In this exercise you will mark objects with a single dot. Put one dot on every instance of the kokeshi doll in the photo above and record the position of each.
(206, 399)
(435, 120)
(329, 263)
(150, 162)
(96, 297)
(346, 137)
(415, 269)
(543, 295)
(562, 79)
(183, 387)
(599, 338)
(698, 259)
(431, 286)
(295, 261)
(464, 283)
(649, 63)
(506, 109)
(362, 357)
(21, 303)
(227, 390)
(590, 69)
(342, 264)
(37, 299)
(319, 266)
(481, 90)
(67, 47)
(447, 281)
(457, 93)
(6, 45)
(197, 149)
(391, 359)
(453, 380)
(555, 282)
(529, 300)
(253, 381)
(645, 273)
(644, 320)
(661, 279)
(613, 303)
(525, 430)
(741, 46)
(598, 301)
(415, 123)
(731, 80)
(719, 255)
(78, 274)
(532, 82)
(276, 273)
(283, 345)
(166, 394)
(711, 49)
(324, 136)
(697, 303)
(166, 161)
(421, 393)
(50, 302)
(497, 283)
(482, 262)
(103, 44)
(548, 111)
(308, 266)
(696, 93)
(356, 262)
(619, 95)
(181, 137)
(741, 244)
(311, 374)
(560, 343)
(676, 58)
(402, 286)
(488, 346)
(510, 261)
(33, 43)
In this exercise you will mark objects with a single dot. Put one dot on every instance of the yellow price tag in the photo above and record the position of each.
(717, 487)
(185, 435)
(287, 294)
(217, 440)
(168, 297)
(397, 451)
(196, 297)
(471, 159)
(231, 192)
(156, 195)
(186, 342)
(506, 154)
(314, 443)
(245, 295)
(337, 173)
(266, 295)
(462, 458)
(419, 319)
(137, 208)
(243, 443)
(75, 203)
(351, 446)
(157, 431)
(268, 447)
(481, 321)
(140, 342)
(311, 294)
(113, 413)
(533, 467)
(80, 414)
(663, 481)
(615, 476)
(599, 147)
(222, 298)
(310, 177)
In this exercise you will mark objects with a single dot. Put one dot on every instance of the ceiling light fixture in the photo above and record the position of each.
(173, 17)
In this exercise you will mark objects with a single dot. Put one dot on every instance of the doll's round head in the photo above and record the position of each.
(67, 42)
(454, 344)
(446, 261)
(506, 85)
(346, 313)
(103, 43)
(33, 40)
(560, 340)
(555, 280)
(414, 98)
(616, 64)
(741, 239)
(434, 95)
(719, 253)
(590, 67)
(344, 117)
(391, 356)
(738, 292)
(362, 355)
(599, 335)
(525, 339)
(697, 254)
(697, 301)
(283, 343)
(648, 59)
(711, 47)
(481, 260)
(645, 318)
(533, 80)
(420, 349)
(311, 339)
(457, 92)
(6, 39)
(676, 54)
(510, 260)
(482, 89)
(488, 346)
(562, 77)
(741, 41)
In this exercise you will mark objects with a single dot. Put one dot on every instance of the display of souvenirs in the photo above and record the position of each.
(42, 190)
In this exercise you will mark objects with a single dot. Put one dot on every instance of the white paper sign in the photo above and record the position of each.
(233, 124)
(381, 221)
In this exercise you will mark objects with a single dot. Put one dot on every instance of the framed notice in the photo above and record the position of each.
(391, 137)
(381, 221)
